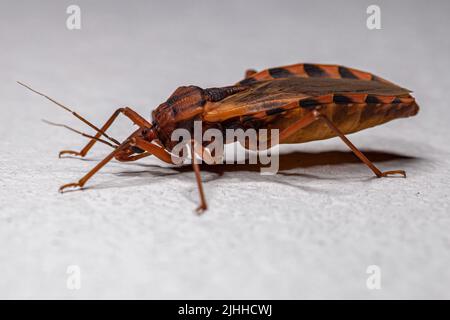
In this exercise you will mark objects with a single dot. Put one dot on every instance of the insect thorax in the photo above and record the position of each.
(184, 107)
(180, 108)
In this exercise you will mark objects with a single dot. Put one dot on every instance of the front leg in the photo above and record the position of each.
(92, 172)
(128, 112)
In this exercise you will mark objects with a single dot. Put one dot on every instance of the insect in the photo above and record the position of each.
(305, 102)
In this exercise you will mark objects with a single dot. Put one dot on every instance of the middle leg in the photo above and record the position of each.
(165, 156)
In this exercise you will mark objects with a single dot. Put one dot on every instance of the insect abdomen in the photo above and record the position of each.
(348, 118)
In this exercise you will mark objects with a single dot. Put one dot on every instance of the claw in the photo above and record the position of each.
(69, 185)
(201, 209)
(75, 153)
(394, 172)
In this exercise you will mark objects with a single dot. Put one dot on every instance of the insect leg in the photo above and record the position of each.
(355, 150)
(134, 116)
(316, 115)
(203, 206)
(153, 149)
(133, 158)
(102, 163)
(162, 154)
(205, 154)
(303, 122)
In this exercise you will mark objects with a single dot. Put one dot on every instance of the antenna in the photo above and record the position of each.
(79, 132)
(72, 112)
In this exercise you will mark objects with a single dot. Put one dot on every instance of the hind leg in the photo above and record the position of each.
(358, 153)
(316, 115)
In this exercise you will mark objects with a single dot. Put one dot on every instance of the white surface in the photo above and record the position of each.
(309, 232)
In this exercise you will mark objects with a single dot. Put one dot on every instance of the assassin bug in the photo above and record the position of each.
(305, 102)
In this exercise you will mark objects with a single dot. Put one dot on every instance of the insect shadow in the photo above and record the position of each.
(288, 163)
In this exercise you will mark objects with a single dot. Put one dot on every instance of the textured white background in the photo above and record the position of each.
(309, 232)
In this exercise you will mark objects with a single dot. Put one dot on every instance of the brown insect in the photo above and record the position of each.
(304, 101)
